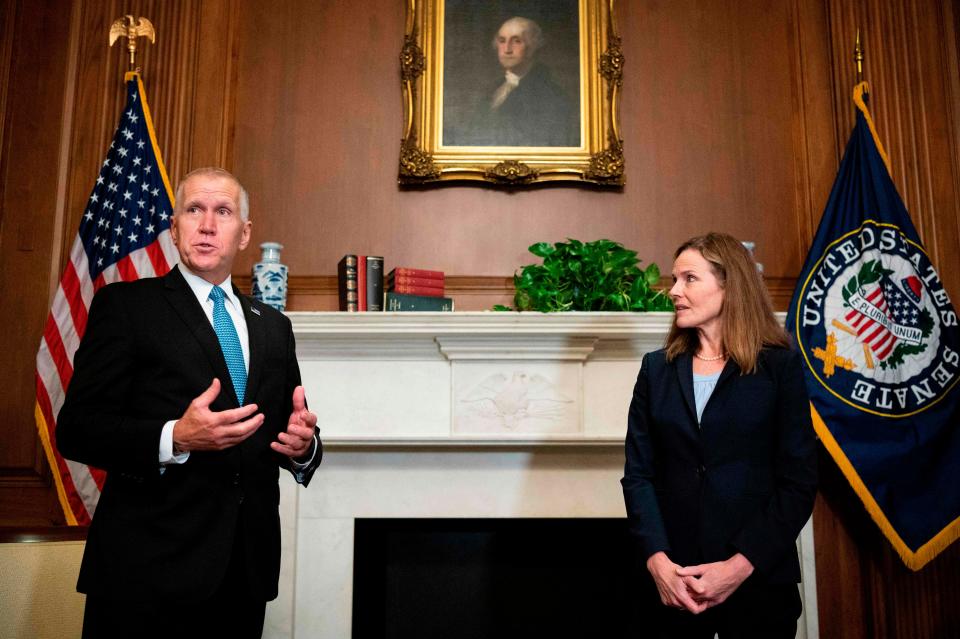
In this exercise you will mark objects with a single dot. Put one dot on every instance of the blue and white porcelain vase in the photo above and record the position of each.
(751, 247)
(270, 277)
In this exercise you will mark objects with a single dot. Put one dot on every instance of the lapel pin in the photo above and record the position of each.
(254, 311)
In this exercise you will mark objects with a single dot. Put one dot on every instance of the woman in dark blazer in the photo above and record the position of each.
(720, 469)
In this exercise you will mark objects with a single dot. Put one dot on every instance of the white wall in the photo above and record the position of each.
(38, 596)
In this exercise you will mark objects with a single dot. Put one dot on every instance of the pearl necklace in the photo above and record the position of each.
(709, 359)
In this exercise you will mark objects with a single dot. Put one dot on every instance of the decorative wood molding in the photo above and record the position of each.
(25, 477)
(41, 534)
(314, 286)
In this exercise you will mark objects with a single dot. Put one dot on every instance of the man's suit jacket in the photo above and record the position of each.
(148, 350)
(536, 113)
(743, 480)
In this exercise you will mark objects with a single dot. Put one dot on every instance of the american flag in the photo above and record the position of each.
(895, 305)
(124, 235)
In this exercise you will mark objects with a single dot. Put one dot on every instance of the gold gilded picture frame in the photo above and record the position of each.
(557, 121)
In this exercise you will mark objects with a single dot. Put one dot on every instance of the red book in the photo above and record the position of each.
(362, 282)
(415, 272)
(430, 291)
(406, 280)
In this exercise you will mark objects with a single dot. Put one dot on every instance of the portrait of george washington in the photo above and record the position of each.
(511, 74)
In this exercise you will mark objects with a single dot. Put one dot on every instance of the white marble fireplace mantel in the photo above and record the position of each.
(457, 415)
(487, 378)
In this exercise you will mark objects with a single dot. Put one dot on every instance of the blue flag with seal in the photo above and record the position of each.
(882, 348)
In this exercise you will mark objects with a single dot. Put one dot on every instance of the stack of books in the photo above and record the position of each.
(414, 289)
(360, 283)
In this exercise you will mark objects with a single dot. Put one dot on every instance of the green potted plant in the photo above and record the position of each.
(587, 276)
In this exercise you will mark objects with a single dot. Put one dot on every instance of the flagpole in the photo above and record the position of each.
(858, 57)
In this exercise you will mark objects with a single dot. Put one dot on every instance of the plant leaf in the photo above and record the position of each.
(541, 249)
(652, 274)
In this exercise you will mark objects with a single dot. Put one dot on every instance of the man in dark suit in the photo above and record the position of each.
(188, 394)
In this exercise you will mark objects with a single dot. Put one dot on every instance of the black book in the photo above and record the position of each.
(374, 283)
(347, 283)
(401, 302)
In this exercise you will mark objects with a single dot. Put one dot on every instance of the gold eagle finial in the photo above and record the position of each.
(132, 29)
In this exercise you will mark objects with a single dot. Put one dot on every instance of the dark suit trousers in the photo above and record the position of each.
(753, 611)
(230, 612)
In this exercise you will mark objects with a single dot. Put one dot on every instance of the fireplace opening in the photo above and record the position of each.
(496, 578)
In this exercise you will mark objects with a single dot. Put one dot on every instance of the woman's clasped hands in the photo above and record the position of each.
(697, 588)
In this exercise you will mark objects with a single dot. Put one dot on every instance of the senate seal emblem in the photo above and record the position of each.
(870, 321)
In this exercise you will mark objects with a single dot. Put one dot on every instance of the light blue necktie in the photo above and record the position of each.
(229, 342)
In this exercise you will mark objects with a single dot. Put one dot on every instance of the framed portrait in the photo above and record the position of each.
(511, 92)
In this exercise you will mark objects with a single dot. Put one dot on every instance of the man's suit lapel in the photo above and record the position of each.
(258, 336)
(184, 303)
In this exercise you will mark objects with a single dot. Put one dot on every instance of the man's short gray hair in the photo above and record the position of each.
(532, 32)
(216, 172)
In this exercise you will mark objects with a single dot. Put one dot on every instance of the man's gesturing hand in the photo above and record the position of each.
(296, 440)
(202, 429)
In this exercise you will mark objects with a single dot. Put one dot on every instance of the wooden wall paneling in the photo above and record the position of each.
(34, 46)
(844, 17)
(709, 117)
(912, 76)
(863, 589)
(816, 137)
(215, 83)
(98, 100)
(187, 78)
(8, 14)
(840, 526)
(939, 137)
(951, 55)
(58, 239)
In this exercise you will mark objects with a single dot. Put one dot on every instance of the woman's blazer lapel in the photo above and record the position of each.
(684, 368)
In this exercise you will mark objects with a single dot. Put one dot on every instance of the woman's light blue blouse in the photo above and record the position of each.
(703, 386)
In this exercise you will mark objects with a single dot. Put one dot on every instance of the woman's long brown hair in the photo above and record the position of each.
(747, 312)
